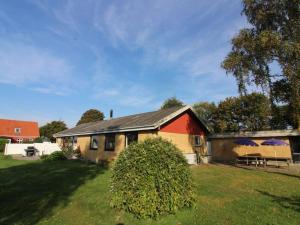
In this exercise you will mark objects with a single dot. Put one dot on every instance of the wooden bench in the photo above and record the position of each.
(276, 160)
(249, 159)
(261, 160)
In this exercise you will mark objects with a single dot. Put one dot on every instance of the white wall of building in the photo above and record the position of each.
(45, 148)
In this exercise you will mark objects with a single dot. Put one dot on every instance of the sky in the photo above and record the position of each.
(61, 58)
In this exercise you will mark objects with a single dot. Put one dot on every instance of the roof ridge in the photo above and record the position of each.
(122, 117)
(28, 121)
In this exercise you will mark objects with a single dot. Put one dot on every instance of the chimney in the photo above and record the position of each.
(111, 114)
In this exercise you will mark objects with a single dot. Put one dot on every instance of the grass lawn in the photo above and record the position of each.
(71, 192)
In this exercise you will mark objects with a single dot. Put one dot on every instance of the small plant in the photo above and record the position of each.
(5, 157)
(150, 179)
(77, 153)
(55, 156)
(3, 142)
(67, 151)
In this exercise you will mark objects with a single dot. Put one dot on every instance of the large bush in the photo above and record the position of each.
(150, 179)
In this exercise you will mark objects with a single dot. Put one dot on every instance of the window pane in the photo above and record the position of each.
(197, 140)
(75, 140)
(94, 142)
(110, 142)
(131, 138)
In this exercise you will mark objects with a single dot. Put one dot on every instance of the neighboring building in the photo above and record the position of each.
(18, 131)
(104, 140)
(224, 148)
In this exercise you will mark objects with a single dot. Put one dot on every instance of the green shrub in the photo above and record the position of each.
(55, 156)
(68, 151)
(41, 140)
(150, 179)
(2, 144)
(44, 157)
(5, 157)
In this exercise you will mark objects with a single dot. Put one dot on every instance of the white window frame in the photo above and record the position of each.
(20, 140)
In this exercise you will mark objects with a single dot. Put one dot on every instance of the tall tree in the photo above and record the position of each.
(92, 115)
(171, 102)
(273, 38)
(206, 111)
(51, 128)
(249, 112)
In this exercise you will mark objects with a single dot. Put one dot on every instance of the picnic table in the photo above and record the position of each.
(261, 160)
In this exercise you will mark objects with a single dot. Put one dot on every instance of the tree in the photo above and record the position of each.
(92, 115)
(172, 102)
(227, 117)
(206, 111)
(274, 38)
(51, 128)
(249, 112)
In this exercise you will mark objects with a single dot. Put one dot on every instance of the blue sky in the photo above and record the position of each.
(60, 58)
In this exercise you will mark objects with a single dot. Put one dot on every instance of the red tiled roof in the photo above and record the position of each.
(28, 129)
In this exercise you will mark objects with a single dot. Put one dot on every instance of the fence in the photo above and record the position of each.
(45, 148)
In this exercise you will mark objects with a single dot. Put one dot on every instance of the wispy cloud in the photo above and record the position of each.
(25, 65)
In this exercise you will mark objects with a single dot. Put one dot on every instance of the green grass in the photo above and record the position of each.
(70, 192)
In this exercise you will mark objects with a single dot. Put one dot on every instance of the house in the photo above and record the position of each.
(104, 140)
(18, 131)
(224, 148)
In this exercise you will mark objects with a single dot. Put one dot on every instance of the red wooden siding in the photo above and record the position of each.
(183, 124)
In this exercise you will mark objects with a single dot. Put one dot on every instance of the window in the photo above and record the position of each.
(110, 142)
(74, 140)
(197, 140)
(131, 138)
(20, 140)
(17, 130)
(94, 142)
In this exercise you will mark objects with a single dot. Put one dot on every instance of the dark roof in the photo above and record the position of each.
(257, 134)
(143, 121)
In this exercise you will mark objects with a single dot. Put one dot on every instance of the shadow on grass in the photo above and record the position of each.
(29, 192)
(273, 170)
(292, 202)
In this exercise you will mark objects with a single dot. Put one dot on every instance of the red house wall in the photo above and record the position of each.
(185, 123)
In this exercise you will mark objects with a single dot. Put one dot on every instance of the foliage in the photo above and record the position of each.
(3, 142)
(41, 140)
(77, 153)
(206, 111)
(51, 128)
(54, 156)
(92, 115)
(171, 102)
(67, 151)
(151, 178)
(274, 38)
(249, 112)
